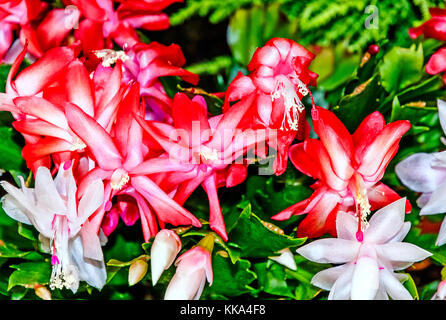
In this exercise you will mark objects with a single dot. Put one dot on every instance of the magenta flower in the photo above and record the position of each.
(205, 148)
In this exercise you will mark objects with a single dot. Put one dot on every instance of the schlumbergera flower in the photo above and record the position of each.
(347, 168)
(15, 15)
(121, 162)
(366, 270)
(206, 149)
(434, 28)
(426, 173)
(278, 80)
(54, 210)
(40, 113)
(147, 63)
(193, 268)
(101, 23)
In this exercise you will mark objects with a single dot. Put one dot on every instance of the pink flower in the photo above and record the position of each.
(147, 63)
(102, 23)
(207, 150)
(16, 14)
(347, 168)
(193, 268)
(277, 82)
(122, 164)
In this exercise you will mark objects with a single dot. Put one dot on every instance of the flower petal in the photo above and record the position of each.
(386, 222)
(332, 250)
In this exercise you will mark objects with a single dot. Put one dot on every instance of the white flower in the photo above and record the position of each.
(367, 267)
(426, 173)
(51, 207)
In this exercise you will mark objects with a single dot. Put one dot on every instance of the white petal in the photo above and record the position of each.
(14, 209)
(91, 243)
(286, 259)
(185, 286)
(402, 252)
(91, 271)
(342, 287)
(441, 239)
(402, 233)
(423, 199)
(330, 250)
(365, 282)
(381, 295)
(442, 113)
(325, 279)
(346, 226)
(164, 249)
(436, 203)
(46, 192)
(92, 199)
(416, 172)
(386, 222)
(393, 286)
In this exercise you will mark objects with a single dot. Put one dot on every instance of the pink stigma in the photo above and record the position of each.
(67, 164)
(314, 114)
(108, 206)
(359, 236)
(54, 260)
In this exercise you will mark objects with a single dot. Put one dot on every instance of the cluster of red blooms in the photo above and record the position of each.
(107, 112)
(434, 28)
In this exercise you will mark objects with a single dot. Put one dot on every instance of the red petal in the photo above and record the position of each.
(337, 141)
(94, 136)
(78, 87)
(437, 62)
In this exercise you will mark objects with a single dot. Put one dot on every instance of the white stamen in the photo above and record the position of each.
(110, 57)
(119, 179)
(292, 103)
(78, 145)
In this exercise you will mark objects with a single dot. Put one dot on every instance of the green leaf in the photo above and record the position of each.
(26, 232)
(30, 273)
(230, 279)
(10, 251)
(11, 153)
(401, 67)
(410, 285)
(352, 108)
(272, 279)
(254, 239)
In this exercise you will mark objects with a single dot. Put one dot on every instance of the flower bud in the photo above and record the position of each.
(137, 271)
(165, 248)
(286, 259)
(193, 268)
(42, 292)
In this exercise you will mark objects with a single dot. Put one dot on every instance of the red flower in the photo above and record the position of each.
(121, 159)
(146, 63)
(434, 28)
(347, 168)
(209, 147)
(16, 14)
(278, 80)
(102, 23)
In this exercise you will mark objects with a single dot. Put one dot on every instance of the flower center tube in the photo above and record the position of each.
(293, 105)
(119, 179)
(363, 208)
